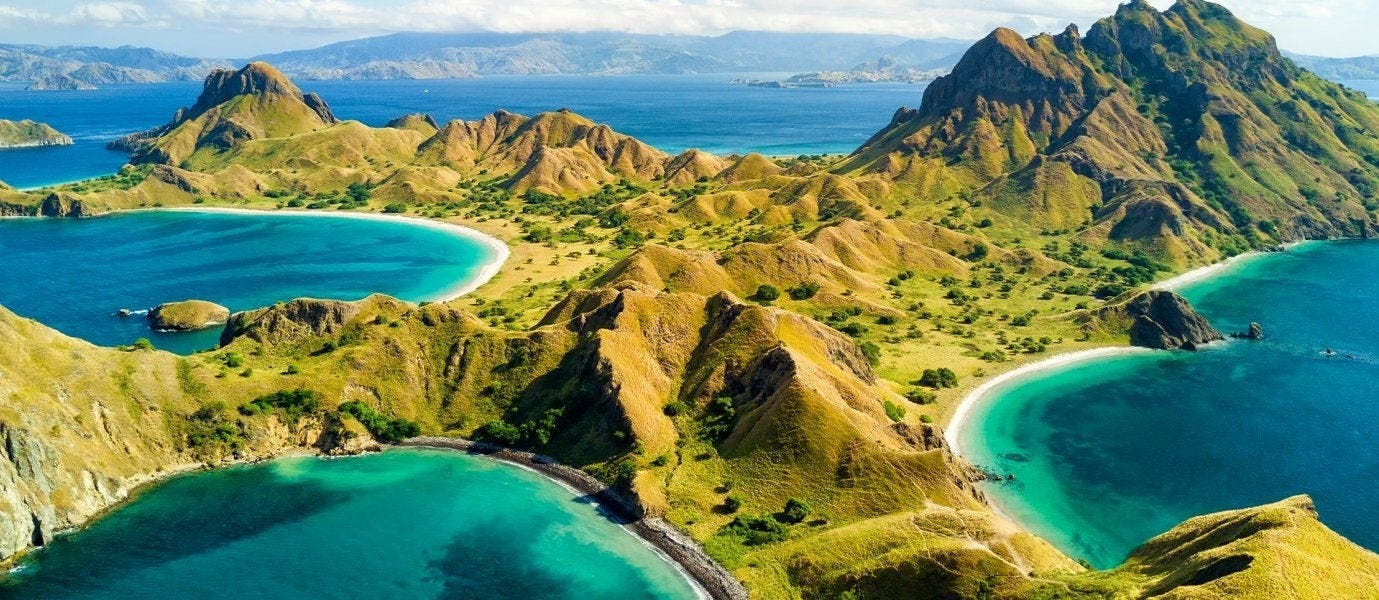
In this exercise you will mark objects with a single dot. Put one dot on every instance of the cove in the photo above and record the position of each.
(1110, 452)
(75, 274)
(402, 524)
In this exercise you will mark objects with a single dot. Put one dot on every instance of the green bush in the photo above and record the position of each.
(234, 360)
(395, 208)
(921, 396)
(381, 427)
(942, 377)
(804, 291)
(732, 503)
(757, 529)
(143, 344)
(294, 403)
(894, 411)
(872, 352)
(795, 511)
(767, 293)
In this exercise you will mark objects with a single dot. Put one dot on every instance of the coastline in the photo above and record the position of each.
(952, 433)
(486, 272)
(709, 578)
(1175, 283)
(1182, 280)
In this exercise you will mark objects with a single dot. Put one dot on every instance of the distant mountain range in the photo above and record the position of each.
(92, 66)
(838, 57)
(426, 55)
(1359, 67)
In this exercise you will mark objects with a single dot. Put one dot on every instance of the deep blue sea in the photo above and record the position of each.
(402, 524)
(671, 112)
(1109, 453)
(75, 274)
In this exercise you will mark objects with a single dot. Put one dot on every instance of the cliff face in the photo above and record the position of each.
(1156, 319)
(83, 426)
(1179, 132)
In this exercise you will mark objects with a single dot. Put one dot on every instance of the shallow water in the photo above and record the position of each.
(402, 524)
(75, 274)
(1111, 452)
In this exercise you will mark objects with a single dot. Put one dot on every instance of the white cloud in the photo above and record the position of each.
(1300, 24)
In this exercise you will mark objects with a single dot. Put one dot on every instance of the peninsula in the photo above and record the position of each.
(29, 134)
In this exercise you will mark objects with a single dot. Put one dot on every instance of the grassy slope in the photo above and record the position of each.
(609, 311)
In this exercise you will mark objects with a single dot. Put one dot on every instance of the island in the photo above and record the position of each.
(30, 134)
(759, 351)
(59, 82)
(187, 315)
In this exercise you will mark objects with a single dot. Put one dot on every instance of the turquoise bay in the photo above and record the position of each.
(75, 274)
(1110, 452)
(402, 524)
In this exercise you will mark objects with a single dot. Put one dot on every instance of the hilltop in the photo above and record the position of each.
(1182, 133)
(27, 134)
(722, 335)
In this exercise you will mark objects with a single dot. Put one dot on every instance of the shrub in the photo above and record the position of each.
(294, 403)
(767, 293)
(894, 411)
(234, 360)
(872, 352)
(381, 427)
(395, 208)
(926, 419)
(500, 432)
(942, 377)
(804, 291)
(674, 409)
(719, 417)
(921, 396)
(143, 344)
(795, 511)
(757, 529)
(732, 504)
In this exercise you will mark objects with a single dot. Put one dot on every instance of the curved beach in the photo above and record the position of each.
(953, 432)
(709, 579)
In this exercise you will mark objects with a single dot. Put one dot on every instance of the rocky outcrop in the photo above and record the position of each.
(1159, 319)
(290, 321)
(60, 204)
(187, 315)
(30, 134)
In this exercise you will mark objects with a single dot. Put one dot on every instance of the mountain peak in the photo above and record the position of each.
(254, 102)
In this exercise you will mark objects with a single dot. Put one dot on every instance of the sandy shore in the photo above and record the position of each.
(1178, 282)
(500, 251)
(708, 577)
(953, 432)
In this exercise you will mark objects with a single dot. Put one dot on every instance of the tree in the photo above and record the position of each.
(804, 291)
(395, 208)
(767, 293)
(942, 377)
(796, 511)
(143, 344)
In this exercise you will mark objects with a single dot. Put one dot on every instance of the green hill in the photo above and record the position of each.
(726, 336)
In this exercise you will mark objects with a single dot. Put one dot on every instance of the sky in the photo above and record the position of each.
(244, 28)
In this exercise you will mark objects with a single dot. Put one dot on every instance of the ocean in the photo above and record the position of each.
(1109, 453)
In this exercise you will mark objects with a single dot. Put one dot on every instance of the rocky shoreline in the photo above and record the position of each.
(706, 573)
